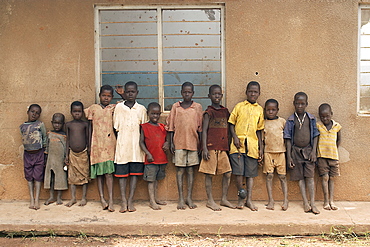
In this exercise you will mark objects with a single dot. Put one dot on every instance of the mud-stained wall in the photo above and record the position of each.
(47, 57)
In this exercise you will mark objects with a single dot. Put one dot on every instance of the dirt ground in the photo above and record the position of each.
(183, 241)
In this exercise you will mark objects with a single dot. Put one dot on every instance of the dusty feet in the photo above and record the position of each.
(212, 205)
(285, 205)
(327, 206)
(270, 205)
(154, 206)
(190, 203)
(181, 205)
(49, 201)
(314, 209)
(226, 203)
(71, 203)
(333, 207)
(82, 203)
(123, 207)
(59, 201)
(104, 204)
(160, 202)
(240, 203)
(306, 207)
(251, 206)
(130, 207)
(110, 206)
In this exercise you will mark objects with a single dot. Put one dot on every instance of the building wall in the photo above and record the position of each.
(47, 54)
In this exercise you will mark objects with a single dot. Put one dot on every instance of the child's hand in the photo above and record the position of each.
(312, 157)
(260, 159)
(172, 148)
(237, 142)
(66, 161)
(149, 157)
(166, 146)
(45, 158)
(205, 154)
(119, 89)
(291, 165)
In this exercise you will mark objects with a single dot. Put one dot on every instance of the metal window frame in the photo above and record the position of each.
(97, 43)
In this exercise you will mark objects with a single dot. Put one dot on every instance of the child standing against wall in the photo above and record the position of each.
(185, 125)
(129, 157)
(77, 158)
(103, 143)
(327, 153)
(34, 141)
(55, 176)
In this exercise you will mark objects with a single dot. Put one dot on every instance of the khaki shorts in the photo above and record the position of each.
(218, 163)
(328, 166)
(272, 161)
(184, 158)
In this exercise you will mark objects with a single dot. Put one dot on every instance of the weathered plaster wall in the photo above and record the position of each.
(47, 54)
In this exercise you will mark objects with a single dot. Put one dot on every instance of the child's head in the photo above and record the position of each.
(187, 91)
(215, 94)
(300, 102)
(271, 108)
(33, 112)
(154, 112)
(131, 91)
(57, 121)
(106, 95)
(77, 109)
(253, 91)
(325, 113)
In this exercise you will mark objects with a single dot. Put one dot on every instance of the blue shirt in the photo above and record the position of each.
(289, 128)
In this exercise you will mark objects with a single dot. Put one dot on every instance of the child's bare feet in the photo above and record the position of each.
(123, 207)
(154, 206)
(181, 205)
(212, 205)
(306, 207)
(59, 202)
(270, 205)
(251, 206)
(110, 206)
(71, 203)
(49, 201)
(82, 203)
(160, 202)
(314, 209)
(32, 204)
(285, 205)
(326, 206)
(131, 207)
(190, 203)
(104, 204)
(333, 207)
(240, 203)
(228, 204)
(37, 205)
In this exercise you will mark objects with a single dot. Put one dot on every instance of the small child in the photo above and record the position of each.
(55, 176)
(77, 157)
(129, 158)
(185, 125)
(327, 153)
(274, 151)
(215, 143)
(34, 141)
(103, 143)
(154, 144)
(246, 124)
(301, 136)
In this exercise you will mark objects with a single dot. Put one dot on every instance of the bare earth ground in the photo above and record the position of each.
(185, 241)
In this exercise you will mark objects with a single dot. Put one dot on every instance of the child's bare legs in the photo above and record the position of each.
(122, 186)
(130, 201)
(308, 207)
(331, 193)
(271, 202)
(100, 180)
(180, 177)
(73, 194)
(52, 183)
(249, 202)
(152, 187)
(189, 200)
(328, 189)
(59, 197)
(239, 185)
(34, 195)
(225, 188)
(210, 202)
(109, 182)
(284, 188)
(159, 202)
(83, 199)
(311, 189)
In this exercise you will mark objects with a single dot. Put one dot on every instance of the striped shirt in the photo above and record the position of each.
(327, 145)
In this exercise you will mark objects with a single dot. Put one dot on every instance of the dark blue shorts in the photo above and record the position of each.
(129, 169)
(244, 165)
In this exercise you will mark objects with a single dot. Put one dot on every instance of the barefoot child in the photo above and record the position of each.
(274, 151)
(34, 141)
(129, 158)
(246, 124)
(77, 152)
(154, 144)
(215, 145)
(327, 153)
(185, 125)
(103, 143)
(55, 176)
(301, 136)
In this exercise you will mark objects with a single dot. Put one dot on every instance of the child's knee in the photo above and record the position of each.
(269, 176)
(282, 177)
(325, 177)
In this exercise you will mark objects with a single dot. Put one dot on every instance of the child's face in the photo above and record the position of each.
(33, 113)
(325, 116)
(216, 95)
(77, 112)
(271, 110)
(106, 97)
(252, 93)
(187, 93)
(154, 114)
(57, 123)
(300, 104)
(131, 93)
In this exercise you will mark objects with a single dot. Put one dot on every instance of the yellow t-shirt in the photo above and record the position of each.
(327, 144)
(247, 118)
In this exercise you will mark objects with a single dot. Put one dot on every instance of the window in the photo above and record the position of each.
(160, 48)
(364, 61)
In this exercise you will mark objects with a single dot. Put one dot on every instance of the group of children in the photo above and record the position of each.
(118, 140)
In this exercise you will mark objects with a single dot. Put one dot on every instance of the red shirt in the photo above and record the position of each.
(154, 138)
(218, 130)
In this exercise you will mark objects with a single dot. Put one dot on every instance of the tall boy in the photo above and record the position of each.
(327, 153)
(274, 151)
(185, 125)
(246, 123)
(77, 158)
(215, 145)
(129, 157)
(301, 136)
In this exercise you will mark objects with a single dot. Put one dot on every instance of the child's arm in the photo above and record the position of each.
(260, 146)
(90, 130)
(313, 156)
(234, 136)
(289, 159)
(66, 160)
(149, 156)
(119, 90)
(172, 145)
(166, 144)
(88, 137)
(339, 138)
(204, 136)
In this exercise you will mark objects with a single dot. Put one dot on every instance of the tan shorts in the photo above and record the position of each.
(328, 166)
(272, 161)
(218, 163)
(184, 158)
